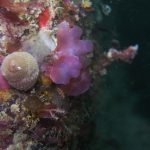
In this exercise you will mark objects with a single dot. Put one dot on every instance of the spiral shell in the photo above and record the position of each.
(20, 69)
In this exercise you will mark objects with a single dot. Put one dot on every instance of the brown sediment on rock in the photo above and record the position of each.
(5, 95)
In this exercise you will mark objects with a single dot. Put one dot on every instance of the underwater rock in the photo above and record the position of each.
(20, 69)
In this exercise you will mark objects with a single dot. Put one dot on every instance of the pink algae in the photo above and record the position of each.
(69, 59)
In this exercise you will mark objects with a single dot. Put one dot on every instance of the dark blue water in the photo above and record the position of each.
(122, 121)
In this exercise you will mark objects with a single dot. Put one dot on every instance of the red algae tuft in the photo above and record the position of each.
(44, 17)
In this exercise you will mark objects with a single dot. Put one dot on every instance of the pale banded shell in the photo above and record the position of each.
(20, 69)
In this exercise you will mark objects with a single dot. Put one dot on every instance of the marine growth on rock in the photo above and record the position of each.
(48, 58)
(69, 59)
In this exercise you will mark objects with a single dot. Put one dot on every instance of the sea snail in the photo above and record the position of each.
(20, 69)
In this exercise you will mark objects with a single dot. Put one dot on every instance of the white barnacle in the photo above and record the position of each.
(15, 108)
(40, 45)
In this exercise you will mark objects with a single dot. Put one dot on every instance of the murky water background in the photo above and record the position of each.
(122, 121)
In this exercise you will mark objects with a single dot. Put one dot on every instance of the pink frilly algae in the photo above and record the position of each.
(66, 63)
(78, 85)
(126, 55)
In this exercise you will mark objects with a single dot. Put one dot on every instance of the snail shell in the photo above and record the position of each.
(20, 69)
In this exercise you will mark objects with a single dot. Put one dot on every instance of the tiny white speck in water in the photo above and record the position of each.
(106, 9)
